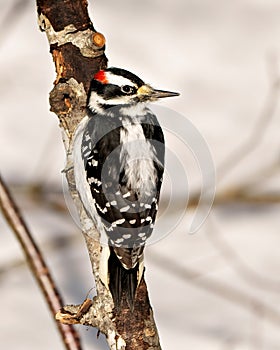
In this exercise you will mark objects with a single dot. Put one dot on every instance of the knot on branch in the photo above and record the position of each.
(89, 42)
(98, 40)
(73, 314)
(68, 101)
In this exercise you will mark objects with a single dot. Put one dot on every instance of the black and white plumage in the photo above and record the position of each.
(118, 165)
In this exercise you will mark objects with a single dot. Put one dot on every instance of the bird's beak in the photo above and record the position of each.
(146, 91)
(162, 94)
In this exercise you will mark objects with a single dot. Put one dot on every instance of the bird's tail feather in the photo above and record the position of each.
(122, 282)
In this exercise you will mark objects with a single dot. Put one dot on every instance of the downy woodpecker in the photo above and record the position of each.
(118, 165)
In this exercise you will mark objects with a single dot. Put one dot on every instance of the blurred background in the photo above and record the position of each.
(216, 289)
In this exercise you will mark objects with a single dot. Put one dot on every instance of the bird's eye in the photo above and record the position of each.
(127, 89)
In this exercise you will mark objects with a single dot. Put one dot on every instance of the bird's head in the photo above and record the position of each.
(115, 86)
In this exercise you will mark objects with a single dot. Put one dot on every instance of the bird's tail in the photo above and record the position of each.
(122, 282)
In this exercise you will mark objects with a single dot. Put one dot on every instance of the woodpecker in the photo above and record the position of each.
(118, 156)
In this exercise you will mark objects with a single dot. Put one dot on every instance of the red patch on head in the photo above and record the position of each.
(101, 76)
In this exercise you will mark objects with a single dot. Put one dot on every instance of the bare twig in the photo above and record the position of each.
(37, 264)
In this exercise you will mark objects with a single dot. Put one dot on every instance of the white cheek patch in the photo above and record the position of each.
(94, 103)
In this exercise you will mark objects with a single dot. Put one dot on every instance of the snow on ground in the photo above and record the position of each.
(202, 286)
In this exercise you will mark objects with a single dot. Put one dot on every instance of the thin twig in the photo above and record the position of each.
(37, 264)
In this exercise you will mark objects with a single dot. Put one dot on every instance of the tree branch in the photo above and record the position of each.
(78, 53)
(37, 264)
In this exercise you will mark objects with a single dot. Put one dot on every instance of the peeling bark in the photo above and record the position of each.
(78, 53)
